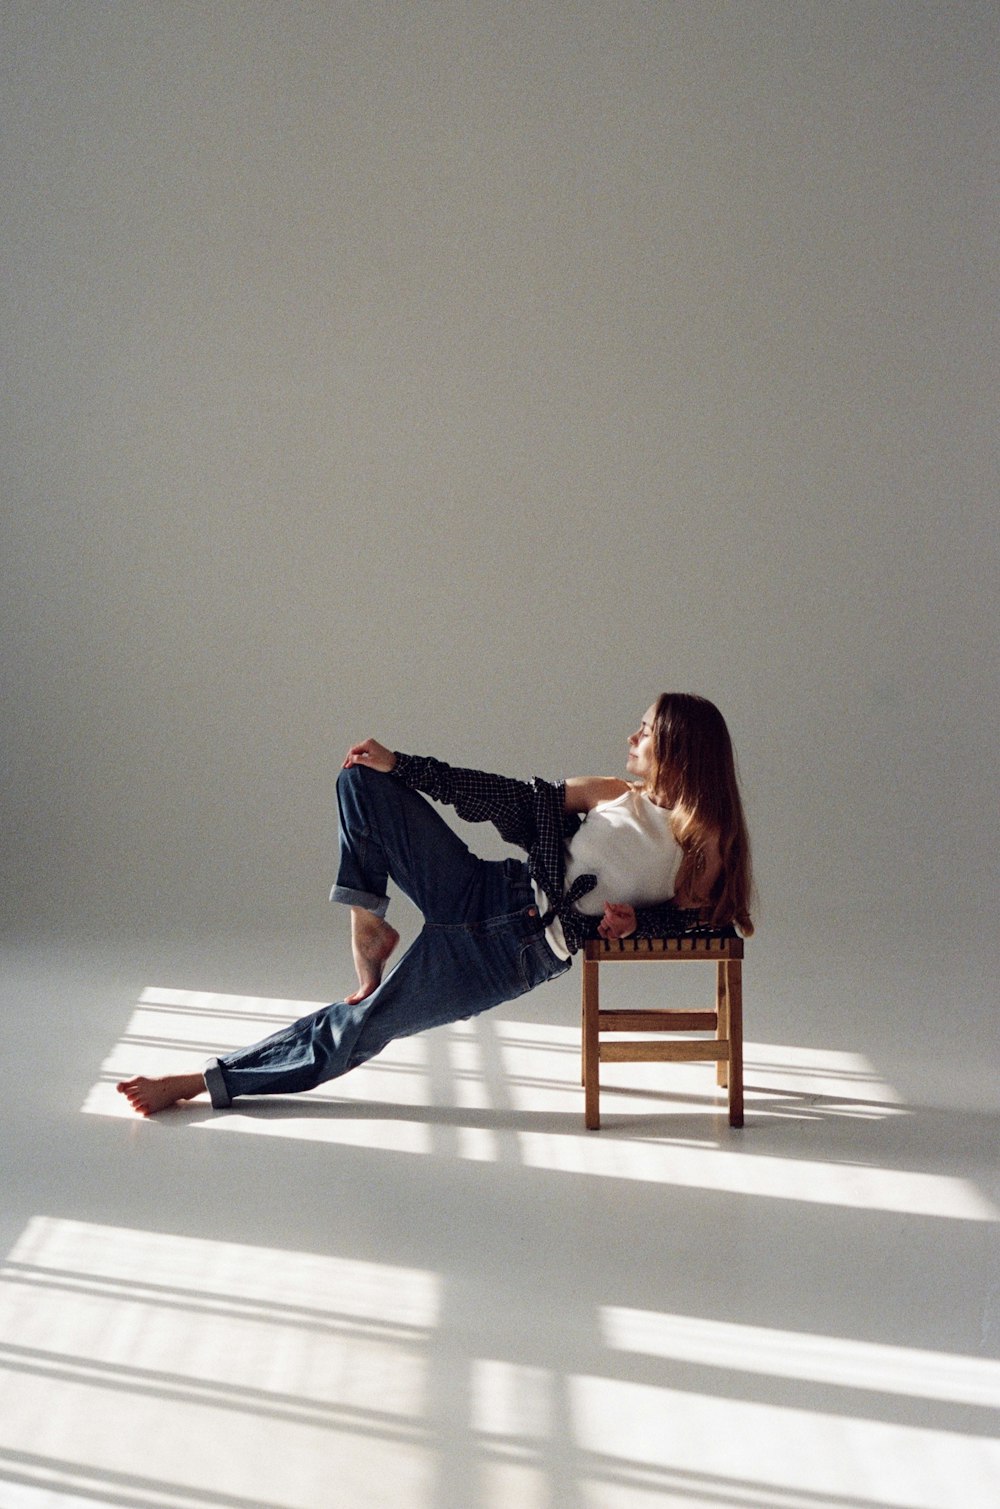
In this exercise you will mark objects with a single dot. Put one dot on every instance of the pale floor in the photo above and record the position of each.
(427, 1287)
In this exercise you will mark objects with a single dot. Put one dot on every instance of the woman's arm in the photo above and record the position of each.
(585, 791)
(582, 791)
(476, 795)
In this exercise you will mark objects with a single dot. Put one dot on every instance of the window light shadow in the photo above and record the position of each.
(492, 1090)
(142, 1369)
(124, 1355)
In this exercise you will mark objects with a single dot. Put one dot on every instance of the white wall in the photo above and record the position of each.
(469, 373)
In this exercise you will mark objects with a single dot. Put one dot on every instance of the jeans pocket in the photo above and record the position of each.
(537, 963)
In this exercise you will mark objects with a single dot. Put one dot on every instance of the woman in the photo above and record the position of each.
(669, 846)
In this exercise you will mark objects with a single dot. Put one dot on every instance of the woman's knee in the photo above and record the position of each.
(353, 776)
(368, 800)
(355, 785)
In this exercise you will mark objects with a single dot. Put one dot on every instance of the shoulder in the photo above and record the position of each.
(584, 792)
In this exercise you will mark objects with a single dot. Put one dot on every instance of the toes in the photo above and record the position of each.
(133, 1093)
(358, 995)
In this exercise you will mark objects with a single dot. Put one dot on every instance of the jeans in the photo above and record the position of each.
(481, 943)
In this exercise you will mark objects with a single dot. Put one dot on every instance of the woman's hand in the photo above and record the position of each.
(371, 754)
(618, 920)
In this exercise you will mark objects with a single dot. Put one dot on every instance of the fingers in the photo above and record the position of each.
(618, 920)
(370, 753)
(360, 754)
(610, 924)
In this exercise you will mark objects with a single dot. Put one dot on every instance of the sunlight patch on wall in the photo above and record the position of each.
(127, 1356)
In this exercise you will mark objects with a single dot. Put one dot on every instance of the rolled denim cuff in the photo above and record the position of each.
(216, 1085)
(366, 899)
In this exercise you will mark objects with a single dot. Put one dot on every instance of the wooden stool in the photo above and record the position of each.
(725, 951)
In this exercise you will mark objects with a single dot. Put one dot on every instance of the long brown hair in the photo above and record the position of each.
(694, 772)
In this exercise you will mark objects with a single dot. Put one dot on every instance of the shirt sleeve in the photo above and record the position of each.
(476, 795)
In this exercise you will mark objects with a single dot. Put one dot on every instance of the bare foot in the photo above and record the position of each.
(147, 1096)
(372, 941)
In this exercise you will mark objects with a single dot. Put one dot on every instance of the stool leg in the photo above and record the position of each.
(734, 992)
(722, 1021)
(583, 1028)
(591, 1048)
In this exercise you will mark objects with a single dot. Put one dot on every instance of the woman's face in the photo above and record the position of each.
(641, 749)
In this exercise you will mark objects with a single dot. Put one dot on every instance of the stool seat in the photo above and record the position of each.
(721, 947)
